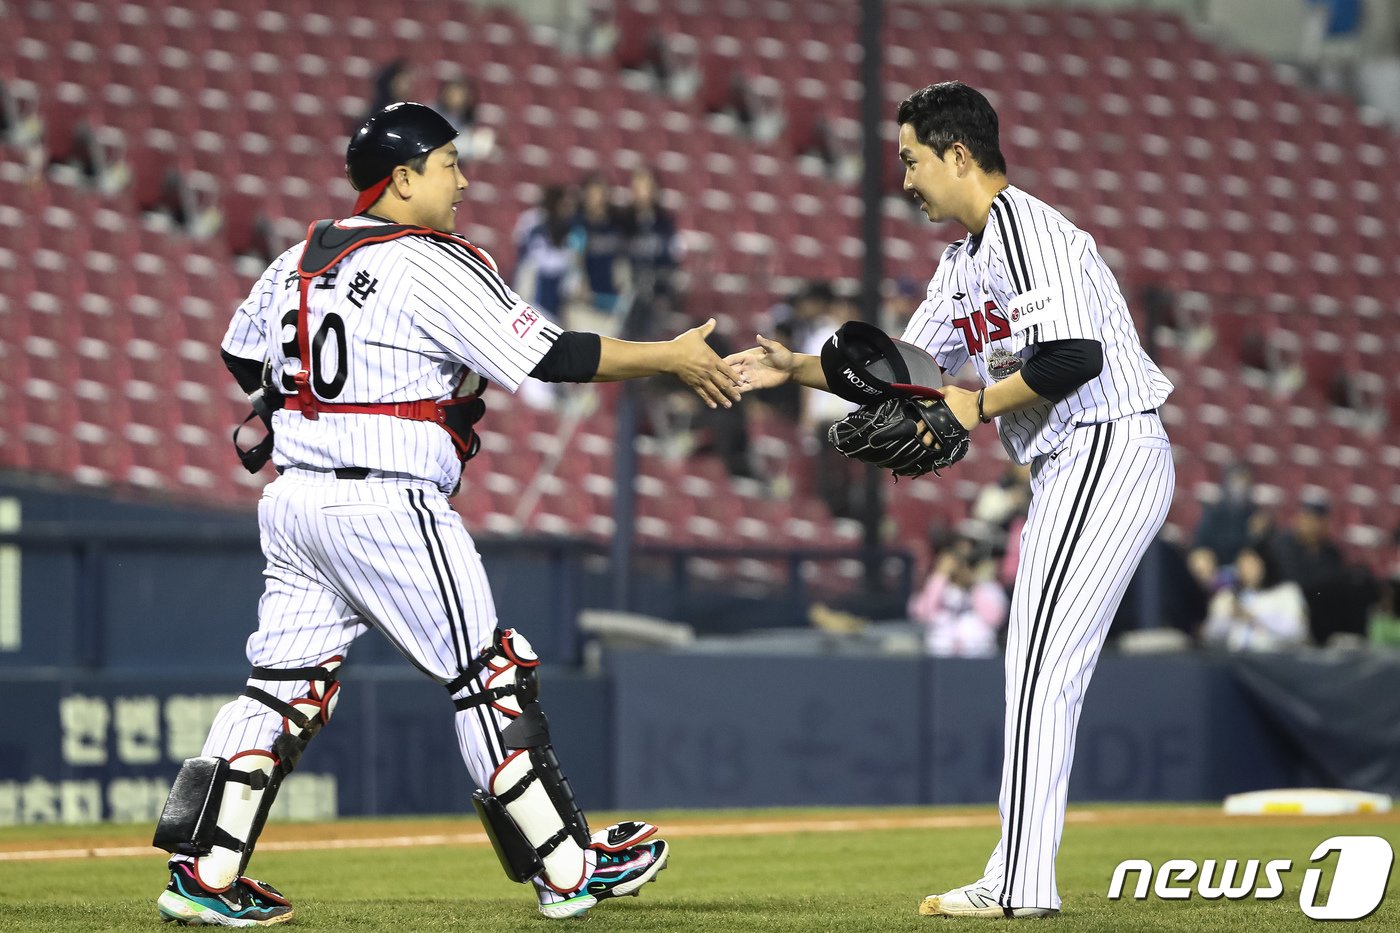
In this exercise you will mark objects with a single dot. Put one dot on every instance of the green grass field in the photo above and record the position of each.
(810, 875)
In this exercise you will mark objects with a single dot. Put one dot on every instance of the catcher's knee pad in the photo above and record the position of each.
(527, 807)
(217, 806)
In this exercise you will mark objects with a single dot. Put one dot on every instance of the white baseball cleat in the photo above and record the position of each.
(978, 900)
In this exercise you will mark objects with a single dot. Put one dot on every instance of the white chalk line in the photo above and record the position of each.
(676, 831)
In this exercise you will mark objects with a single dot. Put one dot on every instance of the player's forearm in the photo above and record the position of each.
(637, 359)
(807, 371)
(1009, 395)
(631, 359)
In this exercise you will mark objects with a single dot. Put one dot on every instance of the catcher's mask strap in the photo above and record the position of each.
(864, 364)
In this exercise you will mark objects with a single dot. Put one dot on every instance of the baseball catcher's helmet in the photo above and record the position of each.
(397, 134)
(863, 364)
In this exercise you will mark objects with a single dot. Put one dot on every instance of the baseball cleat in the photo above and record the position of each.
(577, 903)
(617, 874)
(622, 874)
(246, 903)
(978, 900)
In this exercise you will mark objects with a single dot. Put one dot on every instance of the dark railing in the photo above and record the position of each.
(664, 581)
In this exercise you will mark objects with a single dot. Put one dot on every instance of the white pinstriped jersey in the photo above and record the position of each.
(392, 322)
(1035, 277)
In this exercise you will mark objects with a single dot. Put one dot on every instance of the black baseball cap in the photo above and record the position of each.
(864, 364)
(397, 134)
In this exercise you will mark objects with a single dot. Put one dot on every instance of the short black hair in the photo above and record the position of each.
(951, 112)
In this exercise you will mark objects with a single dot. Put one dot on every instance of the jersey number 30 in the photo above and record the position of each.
(333, 325)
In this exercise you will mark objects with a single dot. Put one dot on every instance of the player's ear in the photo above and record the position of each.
(962, 159)
(403, 181)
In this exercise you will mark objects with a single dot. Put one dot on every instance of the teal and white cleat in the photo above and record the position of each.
(246, 903)
(621, 873)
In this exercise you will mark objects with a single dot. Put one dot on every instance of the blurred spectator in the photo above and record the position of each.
(723, 432)
(1253, 352)
(654, 254)
(1158, 303)
(1170, 590)
(1390, 563)
(1306, 552)
(1256, 610)
(1002, 506)
(902, 297)
(1230, 523)
(393, 83)
(547, 268)
(1000, 502)
(457, 101)
(1331, 41)
(961, 605)
(791, 323)
(599, 236)
(1337, 596)
(1011, 557)
(840, 481)
(686, 427)
(1383, 626)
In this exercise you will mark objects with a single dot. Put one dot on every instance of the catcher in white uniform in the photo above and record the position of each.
(366, 350)
(1028, 300)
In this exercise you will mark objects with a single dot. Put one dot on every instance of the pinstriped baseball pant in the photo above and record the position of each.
(1096, 505)
(347, 555)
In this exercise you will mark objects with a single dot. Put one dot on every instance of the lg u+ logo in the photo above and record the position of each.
(1357, 888)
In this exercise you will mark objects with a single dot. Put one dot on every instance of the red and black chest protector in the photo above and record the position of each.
(327, 243)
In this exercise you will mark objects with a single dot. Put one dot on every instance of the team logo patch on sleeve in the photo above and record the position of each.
(1037, 306)
(527, 319)
(1002, 364)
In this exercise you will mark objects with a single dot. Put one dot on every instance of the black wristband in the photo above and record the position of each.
(980, 416)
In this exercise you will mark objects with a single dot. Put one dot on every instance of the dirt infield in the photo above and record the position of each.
(130, 842)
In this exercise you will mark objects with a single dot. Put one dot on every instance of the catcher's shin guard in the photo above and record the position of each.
(217, 807)
(527, 806)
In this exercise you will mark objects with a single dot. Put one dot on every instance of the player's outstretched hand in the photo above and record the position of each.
(699, 366)
(762, 367)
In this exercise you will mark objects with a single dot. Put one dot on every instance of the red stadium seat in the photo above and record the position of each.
(1224, 179)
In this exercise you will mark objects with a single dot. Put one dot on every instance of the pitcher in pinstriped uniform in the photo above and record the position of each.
(1027, 299)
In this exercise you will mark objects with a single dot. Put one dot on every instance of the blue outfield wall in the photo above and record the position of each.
(77, 749)
(653, 730)
(780, 731)
(128, 642)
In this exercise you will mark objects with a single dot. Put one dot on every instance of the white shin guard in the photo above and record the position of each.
(527, 806)
(554, 836)
(249, 779)
(217, 807)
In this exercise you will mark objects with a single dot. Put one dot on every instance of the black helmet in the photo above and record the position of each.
(397, 134)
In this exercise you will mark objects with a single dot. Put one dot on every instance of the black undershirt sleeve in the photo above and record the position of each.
(247, 372)
(573, 358)
(1061, 366)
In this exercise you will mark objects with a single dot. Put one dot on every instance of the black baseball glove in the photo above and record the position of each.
(908, 437)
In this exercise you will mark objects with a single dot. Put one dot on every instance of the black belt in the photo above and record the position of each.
(351, 472)
(1150, 411)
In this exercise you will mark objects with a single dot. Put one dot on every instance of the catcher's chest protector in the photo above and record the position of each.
(327, 244)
